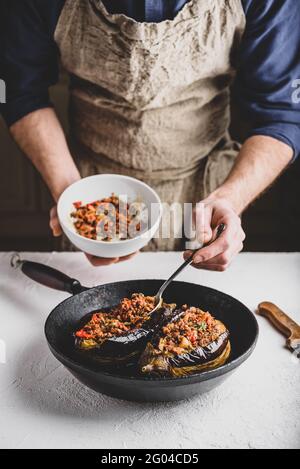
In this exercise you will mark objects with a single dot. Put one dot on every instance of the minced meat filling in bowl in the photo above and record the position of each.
(108, 219)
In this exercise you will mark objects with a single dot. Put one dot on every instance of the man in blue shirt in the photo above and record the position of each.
(175, 62)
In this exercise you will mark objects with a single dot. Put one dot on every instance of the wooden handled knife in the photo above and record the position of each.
(283, 323)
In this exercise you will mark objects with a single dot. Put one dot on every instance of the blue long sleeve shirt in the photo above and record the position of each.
(269, 58)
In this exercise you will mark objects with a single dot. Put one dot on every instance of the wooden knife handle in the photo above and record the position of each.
(280, 320)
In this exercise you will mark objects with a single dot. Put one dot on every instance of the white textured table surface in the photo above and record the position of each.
(43, 406)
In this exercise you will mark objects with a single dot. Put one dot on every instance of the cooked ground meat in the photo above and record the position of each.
(130, 314)
(195, 328)
(106, 219)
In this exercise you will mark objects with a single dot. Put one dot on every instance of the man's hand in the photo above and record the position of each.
(208, 215)
(54, 223)
(95, 261)
(35, 134)
(261, 160)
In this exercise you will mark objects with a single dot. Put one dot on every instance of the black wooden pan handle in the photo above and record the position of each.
(47, 276)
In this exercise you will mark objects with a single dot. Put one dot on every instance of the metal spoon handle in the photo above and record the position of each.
(220, 230)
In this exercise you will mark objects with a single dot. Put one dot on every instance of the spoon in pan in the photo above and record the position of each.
(159, 295)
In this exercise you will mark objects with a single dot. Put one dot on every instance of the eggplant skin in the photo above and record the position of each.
(212, 356)
(117, 349)
(128, 347)
(160, 365)
(210, 365)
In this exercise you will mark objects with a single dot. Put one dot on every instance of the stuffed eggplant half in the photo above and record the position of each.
(192, 341)
(118, 335)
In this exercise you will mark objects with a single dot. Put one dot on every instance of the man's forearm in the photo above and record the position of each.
(41, 138)
(260, 162)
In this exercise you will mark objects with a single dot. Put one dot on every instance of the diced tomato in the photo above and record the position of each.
(83, 335)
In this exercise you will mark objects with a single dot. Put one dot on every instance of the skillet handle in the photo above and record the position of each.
(47, 276)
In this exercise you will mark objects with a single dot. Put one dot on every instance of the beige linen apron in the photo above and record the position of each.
(151, 100)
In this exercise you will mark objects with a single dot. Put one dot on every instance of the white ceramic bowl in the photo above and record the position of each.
(103, 185)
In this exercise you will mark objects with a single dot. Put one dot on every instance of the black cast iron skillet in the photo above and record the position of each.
(127, 383)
